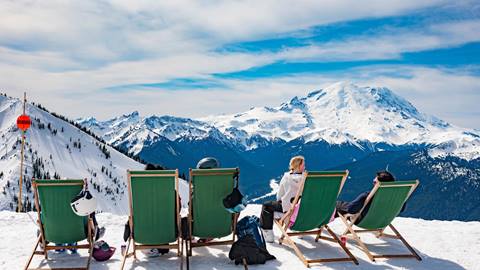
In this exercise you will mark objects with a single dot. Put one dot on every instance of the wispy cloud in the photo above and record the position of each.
(67, 53)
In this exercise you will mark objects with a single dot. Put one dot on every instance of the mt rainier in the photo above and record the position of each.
(342, 126)
(338, 114)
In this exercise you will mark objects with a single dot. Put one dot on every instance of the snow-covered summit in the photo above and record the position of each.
(346, 113)
(109, 129)
(340, 113)
(134, 132)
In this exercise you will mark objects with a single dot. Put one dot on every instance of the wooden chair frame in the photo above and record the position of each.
(131, 240)
(190, 244)
(46, 247)
(283, 225)
(350, 219)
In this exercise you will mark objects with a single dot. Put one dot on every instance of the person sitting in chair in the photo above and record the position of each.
(287, 191)
(353, 207)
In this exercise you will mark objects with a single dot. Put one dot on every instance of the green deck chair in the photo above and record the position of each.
(317, 198)
(154, 211)
(57, 221)
(386, 201)
(207, 217)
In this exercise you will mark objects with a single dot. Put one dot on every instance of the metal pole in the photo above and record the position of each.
(21, 160)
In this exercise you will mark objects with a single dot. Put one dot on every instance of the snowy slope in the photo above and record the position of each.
(346, 113)
(340, 113)
(441, 244)
(56, 148)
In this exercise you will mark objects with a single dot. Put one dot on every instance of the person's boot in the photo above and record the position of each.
(268, 235)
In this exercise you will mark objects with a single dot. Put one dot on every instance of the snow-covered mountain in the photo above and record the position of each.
(55, 148)
(346, 113)
(342, 113)
(342, 126)
(134, 133)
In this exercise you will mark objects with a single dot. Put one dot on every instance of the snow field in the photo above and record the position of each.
(441, 244)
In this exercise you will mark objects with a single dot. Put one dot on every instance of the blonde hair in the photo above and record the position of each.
(296, 162)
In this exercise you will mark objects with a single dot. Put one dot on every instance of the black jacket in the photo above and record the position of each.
(247, 248)
(356, 205)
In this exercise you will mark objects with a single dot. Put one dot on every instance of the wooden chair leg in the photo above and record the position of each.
(178, 247)
(355, 261)
(357, 239)
(45, 250)
(319, 234)
(134, 251)
(293, 245)
(33, 252)
(90, 253)
(405, 242)
(92, 231)
(125, 255)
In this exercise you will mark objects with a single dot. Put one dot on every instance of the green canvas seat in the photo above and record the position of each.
(316, 200)
(154, 211)
(386, 201)
(208, 218)
(56, 220)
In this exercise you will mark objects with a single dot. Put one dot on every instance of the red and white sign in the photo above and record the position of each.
(23, 122)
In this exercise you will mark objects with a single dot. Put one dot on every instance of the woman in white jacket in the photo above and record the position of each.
(287, 191)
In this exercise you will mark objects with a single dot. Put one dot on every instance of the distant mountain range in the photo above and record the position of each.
(344, 126)
(342, 113)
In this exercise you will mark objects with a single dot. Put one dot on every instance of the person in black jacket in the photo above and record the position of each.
(356, 205)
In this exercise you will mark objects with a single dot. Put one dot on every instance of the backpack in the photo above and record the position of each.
(250, 225)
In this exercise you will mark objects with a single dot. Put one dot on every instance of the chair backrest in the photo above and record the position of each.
(319, 196)
(386, 201)
(60, 223)
(154, 206)
(208, 188)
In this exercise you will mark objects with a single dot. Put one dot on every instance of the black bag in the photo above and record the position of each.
(245, 250)
(235, 197)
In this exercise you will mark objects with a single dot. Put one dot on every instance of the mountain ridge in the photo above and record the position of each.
(55, 149)
(340, 113)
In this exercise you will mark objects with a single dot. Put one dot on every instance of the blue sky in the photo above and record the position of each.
(215, 57)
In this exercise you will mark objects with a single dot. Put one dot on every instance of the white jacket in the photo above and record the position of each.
(288, 189)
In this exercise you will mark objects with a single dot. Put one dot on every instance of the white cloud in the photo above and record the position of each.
(391, 45)
(97, 33)
(66, 53)
(451, 95)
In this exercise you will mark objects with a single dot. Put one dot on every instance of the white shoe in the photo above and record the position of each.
(151, 253)
(268, 235)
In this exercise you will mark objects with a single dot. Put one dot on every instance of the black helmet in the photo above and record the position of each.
(208, 163)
